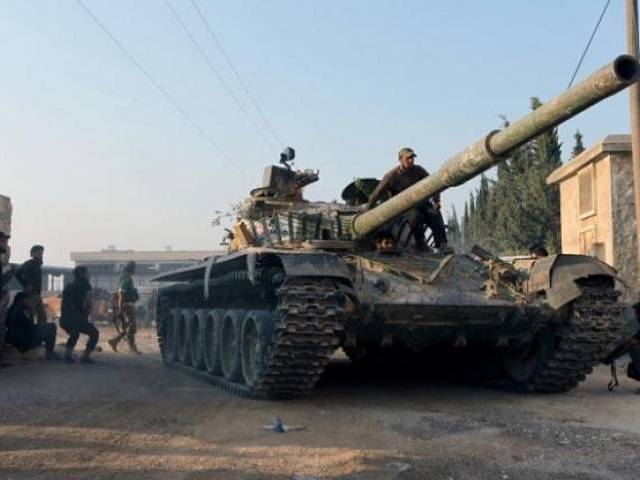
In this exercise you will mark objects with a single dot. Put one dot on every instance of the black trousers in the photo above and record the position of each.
(43, 333)
(633, 368)
(423, 216)
(74, 332)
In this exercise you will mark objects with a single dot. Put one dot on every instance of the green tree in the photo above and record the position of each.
(484, 213)
(466, 223)
(578, 146)
(454, 233)
(471, 239)
(519, 208)
(545, 208)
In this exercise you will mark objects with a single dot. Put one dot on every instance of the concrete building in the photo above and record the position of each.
(105, 267)
(5, 214)
(597, 206)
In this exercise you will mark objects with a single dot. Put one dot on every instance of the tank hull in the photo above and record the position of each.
(315, 302)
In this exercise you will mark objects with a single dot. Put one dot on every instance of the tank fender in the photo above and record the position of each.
(556, 275)
(314, 265)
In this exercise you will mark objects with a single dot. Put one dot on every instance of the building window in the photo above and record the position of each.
(586, 192)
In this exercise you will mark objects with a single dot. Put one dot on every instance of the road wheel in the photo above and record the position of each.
(523, 362)
(590, 325)
(211, 341)
(257, 333)
(369, 354)
(196, 349)
(230, 335)
(173, 345)
(183, 330)
(165, 334)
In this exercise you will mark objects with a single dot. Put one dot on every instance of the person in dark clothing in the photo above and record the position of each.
(427, 214)
(74, 317)
(29, 274)
(538, 251)
(23, 334)
(631, 347)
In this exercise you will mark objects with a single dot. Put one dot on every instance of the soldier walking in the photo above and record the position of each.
(29, 274)
(424, 215)
(127, 298)
(74, 318)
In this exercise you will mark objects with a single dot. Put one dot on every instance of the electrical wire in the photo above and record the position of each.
(586, 48)
(251, 97)
(217, 74)
(162, 90)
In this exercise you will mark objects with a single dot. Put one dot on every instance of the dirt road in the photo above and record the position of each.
(130, 417)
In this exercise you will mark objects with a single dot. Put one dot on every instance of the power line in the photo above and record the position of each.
(162, 90)
(217, 74)
(252, 98)
(586, 48)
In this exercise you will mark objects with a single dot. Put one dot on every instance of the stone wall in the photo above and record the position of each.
(624, 222)
(5, 214)
(5, 226)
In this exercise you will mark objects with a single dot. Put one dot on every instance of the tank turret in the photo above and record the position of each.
(497, 145)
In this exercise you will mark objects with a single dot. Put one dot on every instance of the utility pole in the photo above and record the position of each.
(634, 99)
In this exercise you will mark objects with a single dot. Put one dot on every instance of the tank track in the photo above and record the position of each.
(593, 326)
(308, 324)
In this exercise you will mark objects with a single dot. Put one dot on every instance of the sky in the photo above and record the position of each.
(92, 154)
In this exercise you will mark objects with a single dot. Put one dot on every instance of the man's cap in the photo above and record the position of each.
(406, 150)
(3, 234)
(36, 248)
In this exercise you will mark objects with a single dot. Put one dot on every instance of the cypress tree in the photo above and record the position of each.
(518, 208)
(472, 222)
(578, 146)
(484, 221)
(453, 231)
(465, 228)
(545, 207)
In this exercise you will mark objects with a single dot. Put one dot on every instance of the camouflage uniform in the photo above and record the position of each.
(126, 313)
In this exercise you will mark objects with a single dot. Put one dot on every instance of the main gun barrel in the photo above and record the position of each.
(497, 146)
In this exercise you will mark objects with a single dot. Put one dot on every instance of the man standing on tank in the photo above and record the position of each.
(127, 298)
(74, 318)
(29, 274)
(427, 214)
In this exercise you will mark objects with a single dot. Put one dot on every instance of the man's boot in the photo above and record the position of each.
(68, 355)
(132, 347)
(86, 357)
(113, 343)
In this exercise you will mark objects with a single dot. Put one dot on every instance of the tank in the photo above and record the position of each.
(302, 279)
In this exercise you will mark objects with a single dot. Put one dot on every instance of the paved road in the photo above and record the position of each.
(130, 417)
